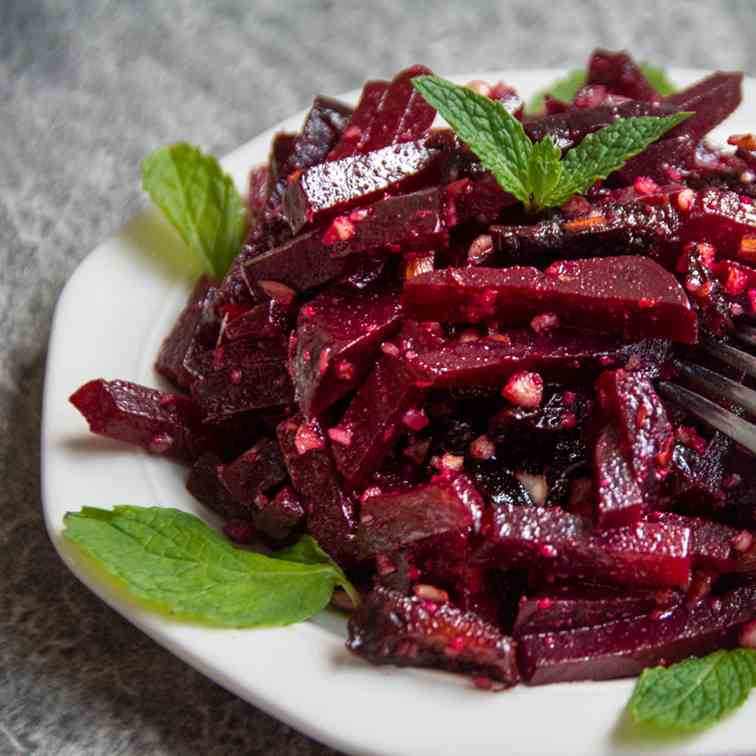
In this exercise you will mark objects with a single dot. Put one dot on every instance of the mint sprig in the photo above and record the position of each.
(200, 201)
(658, 79)
(174, 560)
(695, 693)
(535, 173)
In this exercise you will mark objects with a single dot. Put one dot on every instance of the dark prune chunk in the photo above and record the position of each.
(390, 628)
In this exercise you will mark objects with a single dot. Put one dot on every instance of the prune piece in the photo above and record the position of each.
(608, 228)
(320, 132)
(560, 411)
(373, 420)
(568, 128)
(570, 606)
(357, 129)
(254, 472)
(711, 100)
(389, 628)
(276, 518)
(641, 432)
(619, 499)
(721, 218)
(241, 376)
(697, 479)
(204, 485)
(498, 485)
(170, 360)
(559, 354)
(632, 296)
(338, 334)
(326, 189)
(551, 541)
(626, 647)
(394, 520)
(621, 75)
(478, 200)
(330, 516)
(387, 115)
(165, 424)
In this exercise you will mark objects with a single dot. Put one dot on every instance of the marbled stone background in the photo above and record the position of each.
(87, 88)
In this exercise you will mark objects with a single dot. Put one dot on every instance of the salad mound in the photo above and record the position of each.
(452, 388)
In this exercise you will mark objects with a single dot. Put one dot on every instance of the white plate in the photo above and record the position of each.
(109, 322)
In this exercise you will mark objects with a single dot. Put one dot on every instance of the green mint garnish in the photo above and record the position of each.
(535, 173)
(181, 565)
(563, 89)
(200, 201)
(657, 78)
(696, 693)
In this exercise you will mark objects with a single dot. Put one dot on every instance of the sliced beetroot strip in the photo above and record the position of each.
(165, 424)
(357, 130)
(633, 297)
(621, 75)
(254, 472)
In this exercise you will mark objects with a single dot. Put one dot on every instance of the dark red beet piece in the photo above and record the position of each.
(241, 376)
(358, 127)
(479, 200)
(338, 334)
(326, 189)
(330, 518)
(559, 354)
(569, 128)
(662, 161)
(204, 485)
(645, 439)
(394, 520)
(258, 193)
(621, 75)
(387, 114)
(254, 472)
(320, 132)
(569, 606)
(276, 518)
(165, 424)
(618, 496)
(170, 360)
(626, 647)
(552, 541)
(697, 479)
(267, 320)
(390, 628)
(631, 296)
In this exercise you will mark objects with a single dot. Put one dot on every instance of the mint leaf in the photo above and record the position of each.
(606, 150)
(563, 89)
(495, 136)
(657, 78)
(544, 170)
(199, 200)
(176, 561)
(694, 694)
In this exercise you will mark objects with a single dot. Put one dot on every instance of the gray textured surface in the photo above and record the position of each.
(86, 89)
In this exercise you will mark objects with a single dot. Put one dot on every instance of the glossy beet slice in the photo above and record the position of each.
(326, 189)
(254, 472)
(390, 628)
(337, 336)
(721, 218)
(358, 127)
(712, 99)
(697, 479)
(373, 420)
(552, 541)
(204, 485)
(569, 128)
(170, 360)
(645, 440)
(559, 354)
(387, 114)
(570, 606)
(621, 75)
(258, 193)
(631, 296)
(394, 520)
(666, 160)
(608, 228)
(241, 376)
(618, 499)
(330, 518)
(479, 200)
(267, 320)
(165, 424)
(626, 647)
(320, 132)
(277, 517)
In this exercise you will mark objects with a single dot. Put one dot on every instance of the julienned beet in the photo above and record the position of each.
(457, 400)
